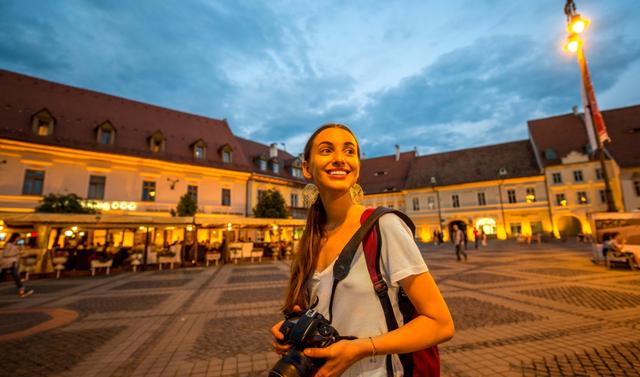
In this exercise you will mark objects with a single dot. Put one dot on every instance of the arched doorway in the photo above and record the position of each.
(461, 225)
(488, 225)
(569, 226)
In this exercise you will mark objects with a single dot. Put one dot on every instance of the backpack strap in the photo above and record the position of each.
(372, 246)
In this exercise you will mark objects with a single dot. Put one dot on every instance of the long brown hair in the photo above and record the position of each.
(306, 257)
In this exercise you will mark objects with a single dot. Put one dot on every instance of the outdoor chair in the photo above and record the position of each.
(96, 263)
(212, 256)
(235, 253)
(257, 253)
(620, 258)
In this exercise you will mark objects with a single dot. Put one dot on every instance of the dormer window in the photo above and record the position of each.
(226, 153)
(42, 123)
(157, 142)
(199, 149)
(296, 168)
(275, 165)
(550, 154)
(106, 133)
(262, 163)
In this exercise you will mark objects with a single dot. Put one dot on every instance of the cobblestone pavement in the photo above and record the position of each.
(540, 310)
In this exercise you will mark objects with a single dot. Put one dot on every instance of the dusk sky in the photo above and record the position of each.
(437, 75)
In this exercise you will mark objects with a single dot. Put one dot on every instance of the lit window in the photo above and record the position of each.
(561, 200)
(157, 142)
(482, 199)
(96, 187)
(226, 197)
(42, 123)
(148, 191)
(431, 203)
(582, 197)
(198, 152)
(511, 195)
(455, 201)
(416, 204)
(557, 178)
(43, 127)
(33, 182)
(531, 195)
(577, 176)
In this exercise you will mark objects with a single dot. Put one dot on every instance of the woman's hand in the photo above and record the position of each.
(279, 347)
(339, 356)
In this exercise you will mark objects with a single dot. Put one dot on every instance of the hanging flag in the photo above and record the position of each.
(596, 116)
(588, 124)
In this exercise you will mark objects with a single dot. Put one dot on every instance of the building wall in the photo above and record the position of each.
(630, 185)
(285, 188)
(68, 171)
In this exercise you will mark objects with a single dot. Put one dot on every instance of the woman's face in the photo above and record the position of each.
(333, 163)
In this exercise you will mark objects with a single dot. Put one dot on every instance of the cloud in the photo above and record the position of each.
(485, 92)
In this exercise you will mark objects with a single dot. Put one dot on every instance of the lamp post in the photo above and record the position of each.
(502, 172)
(433, 186)
(576, 25)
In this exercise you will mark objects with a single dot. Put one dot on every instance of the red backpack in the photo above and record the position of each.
(423, 363)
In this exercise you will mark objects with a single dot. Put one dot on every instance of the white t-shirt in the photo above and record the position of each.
(356, 308)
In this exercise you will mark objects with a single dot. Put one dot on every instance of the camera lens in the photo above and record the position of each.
(294, 364)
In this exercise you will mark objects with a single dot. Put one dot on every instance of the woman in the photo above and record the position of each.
(10, 257)
(332, 163)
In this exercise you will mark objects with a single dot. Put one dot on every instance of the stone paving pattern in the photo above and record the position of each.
(540, 310)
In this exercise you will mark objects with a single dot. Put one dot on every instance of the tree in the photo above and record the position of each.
(187, 206)
(59, 203)
(271, 205)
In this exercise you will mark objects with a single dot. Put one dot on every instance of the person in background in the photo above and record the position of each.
(9, 262)
(476, 235)
(458, 241)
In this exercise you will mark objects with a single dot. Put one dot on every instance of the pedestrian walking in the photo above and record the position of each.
(483, 235)
(10, 257)
(458, 241)
(476, 235)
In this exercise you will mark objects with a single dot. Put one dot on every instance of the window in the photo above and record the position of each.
(296, 172)
(550, 154)
(105, 133)
(42, 123)
(557, 178)
(33, 182)
(148, 191)
(275, 166)
(157, 142)
(636, 187)
(482, 199)
(380, 173)
(603, 196)
(577, 176)
(511, 194)
(226, 157)
(582, 197)
(416, 204)
(226, 197)
(263, 165)
(516, 229)
(96, 187)
(531, 195)
(294, 200)
(599, 174)
(199, 152)
(193, 191)
(455, 200)
(431, 203)
(561, 200)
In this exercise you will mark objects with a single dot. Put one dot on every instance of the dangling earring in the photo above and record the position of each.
(356, 193)
(309, 195)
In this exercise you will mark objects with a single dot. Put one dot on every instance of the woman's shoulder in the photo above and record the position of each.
(391, 222)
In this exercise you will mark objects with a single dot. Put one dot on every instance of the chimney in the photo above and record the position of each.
(397, 153)
(575, 110)
(273, 150)
(415, 151)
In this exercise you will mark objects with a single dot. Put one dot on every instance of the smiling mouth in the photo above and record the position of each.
(338, 173)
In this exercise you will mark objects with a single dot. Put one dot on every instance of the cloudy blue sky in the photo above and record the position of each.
(436, 75)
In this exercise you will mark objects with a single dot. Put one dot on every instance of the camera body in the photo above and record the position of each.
(310, 330)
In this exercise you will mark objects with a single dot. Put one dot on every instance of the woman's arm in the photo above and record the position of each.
(432, 325)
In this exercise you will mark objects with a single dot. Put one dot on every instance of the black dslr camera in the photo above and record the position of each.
(310, 330)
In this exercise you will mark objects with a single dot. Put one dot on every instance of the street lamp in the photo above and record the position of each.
(434, 181)
(576, 25)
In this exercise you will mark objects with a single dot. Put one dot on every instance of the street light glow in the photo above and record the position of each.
(573, 43)
(578, 24)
